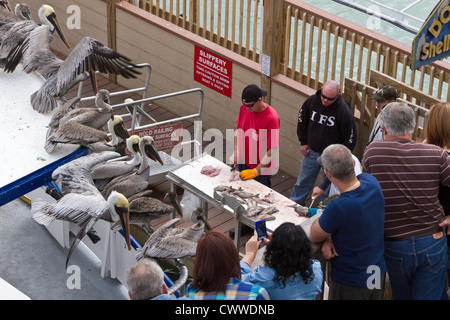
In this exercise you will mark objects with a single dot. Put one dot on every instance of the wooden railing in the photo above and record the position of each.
(360, 96)
(312, 46)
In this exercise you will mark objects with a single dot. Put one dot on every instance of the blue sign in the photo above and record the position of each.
(432, 42)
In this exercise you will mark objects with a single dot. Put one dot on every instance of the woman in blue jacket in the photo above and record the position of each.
(289, 272)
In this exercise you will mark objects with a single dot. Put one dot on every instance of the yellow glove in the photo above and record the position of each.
(248, 174)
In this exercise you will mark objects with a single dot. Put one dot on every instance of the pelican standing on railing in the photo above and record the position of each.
(138, 181)
(82, 125)
(88, 56)
(82, 203)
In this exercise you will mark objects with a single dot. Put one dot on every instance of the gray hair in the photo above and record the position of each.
(338, 160)
(145, 280)
(398, 119)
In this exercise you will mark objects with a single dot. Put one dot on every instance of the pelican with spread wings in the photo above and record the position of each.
(81, 202)
(88, 56)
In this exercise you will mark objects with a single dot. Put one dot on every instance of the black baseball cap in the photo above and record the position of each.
(385, 93)
(252, 93)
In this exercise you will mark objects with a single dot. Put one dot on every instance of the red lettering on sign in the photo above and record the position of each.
(166, 136)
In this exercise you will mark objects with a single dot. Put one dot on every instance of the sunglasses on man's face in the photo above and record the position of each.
(249, 105)
(329, 99)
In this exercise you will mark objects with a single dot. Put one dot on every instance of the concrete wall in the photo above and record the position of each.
(170, 51)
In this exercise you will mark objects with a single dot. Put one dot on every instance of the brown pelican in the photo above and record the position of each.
(14, 35)
(144, 209)
(88, 56)
(133, 147)
(198, 216)
(53, 125)
(172, 243)
(82, 125)
(119, 134)
(21, 12)
(82, 203)
(103, 173)
(138, 181)
(115, 167)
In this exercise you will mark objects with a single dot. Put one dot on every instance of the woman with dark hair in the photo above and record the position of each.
(216, 274)
(289, 272)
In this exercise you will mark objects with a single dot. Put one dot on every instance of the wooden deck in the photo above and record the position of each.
(281, 182)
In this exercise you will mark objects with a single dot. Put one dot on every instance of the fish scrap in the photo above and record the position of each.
(210, 171)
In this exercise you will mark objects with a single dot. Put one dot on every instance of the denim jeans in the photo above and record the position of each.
(417, 267)
(309, 170)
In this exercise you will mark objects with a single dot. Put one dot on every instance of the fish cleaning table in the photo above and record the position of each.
(190, 178)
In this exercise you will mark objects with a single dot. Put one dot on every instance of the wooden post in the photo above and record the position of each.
(272, 46)
(111, 29)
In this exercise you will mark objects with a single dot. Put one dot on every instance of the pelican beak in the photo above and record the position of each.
(202, 217)
(121, 130)
(124, 215)
(54, 21)
(171, 199)
(152, 153)
(6, 5)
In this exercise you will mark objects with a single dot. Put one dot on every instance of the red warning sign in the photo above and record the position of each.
(212, 71)
(165, 136)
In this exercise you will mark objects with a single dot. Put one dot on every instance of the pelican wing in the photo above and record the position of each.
(75, 176)
(73, 207)
(89, 54)
(37, 55)
(172, 248)
(74, 132)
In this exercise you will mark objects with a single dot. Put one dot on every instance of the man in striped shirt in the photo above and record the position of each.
(409, 174)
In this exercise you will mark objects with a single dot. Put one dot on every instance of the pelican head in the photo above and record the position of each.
(133, 143)
(102, 96)
(171, 198)
(119, 209)
(5, 4)
(147, 145)
(119, 127)
(198, 215)
(47, 16)
(22, 11)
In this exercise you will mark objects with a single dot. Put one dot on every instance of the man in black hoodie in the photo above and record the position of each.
(324, 119)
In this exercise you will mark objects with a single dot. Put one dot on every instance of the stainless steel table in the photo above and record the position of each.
(189, 177)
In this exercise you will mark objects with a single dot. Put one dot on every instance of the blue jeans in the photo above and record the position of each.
(309, 170)
(417, 267)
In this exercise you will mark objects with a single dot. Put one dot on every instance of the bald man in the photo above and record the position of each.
(324, 119)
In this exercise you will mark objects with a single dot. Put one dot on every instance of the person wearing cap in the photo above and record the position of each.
(324, 119)
(410, 173)
(382, 96)
(351, 228)
(257, 137)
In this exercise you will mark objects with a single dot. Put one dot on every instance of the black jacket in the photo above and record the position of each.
(320, 126)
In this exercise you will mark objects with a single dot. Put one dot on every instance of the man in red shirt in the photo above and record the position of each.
(257, 137)
(256, 141)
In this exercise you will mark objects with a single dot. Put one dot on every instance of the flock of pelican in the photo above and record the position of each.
(23, 39)
(105, 184)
